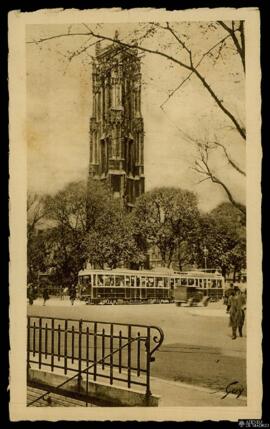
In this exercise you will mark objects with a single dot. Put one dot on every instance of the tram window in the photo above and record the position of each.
(172, 282)
(214, 283)
(119, 281)
(100, 280)
(191, 282)
(177, 282)
(111, 280)
(151, 282)
(159, 282)
(143, 281)
(133, 281)
(219, 284)
(137, 281)
(107, 280)
(127, 281)
(183, 282)
(200, 283)
(204, 283)
(196, 282)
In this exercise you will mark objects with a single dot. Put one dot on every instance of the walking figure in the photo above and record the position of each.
(72, 295)
(46, 295)
(237, 312)
(229, 292)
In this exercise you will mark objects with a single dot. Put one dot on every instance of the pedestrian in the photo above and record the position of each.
(46, 295)
(228, 294)
(237, 312)
(30, 294)
(72, 295)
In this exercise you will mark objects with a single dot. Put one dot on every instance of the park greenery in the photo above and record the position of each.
(84, 223)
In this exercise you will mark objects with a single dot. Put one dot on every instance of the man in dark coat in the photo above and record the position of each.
(237, 312)
(72, 295)
(228, 293)
(46, 295)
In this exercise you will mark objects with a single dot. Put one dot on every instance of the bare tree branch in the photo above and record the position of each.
(176, 89)
(36, 211)
(220, 42)
(239, 47)
(182, 43)
(202, 167)
(229, 159)
(56, 36)
(219, 102)
(189, 67)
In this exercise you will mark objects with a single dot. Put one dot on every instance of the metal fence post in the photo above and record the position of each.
(80, 355)
(28, 344)
(148, 361)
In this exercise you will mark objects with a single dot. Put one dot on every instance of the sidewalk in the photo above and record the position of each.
(174, 394)
(171, 395)
(58, 302)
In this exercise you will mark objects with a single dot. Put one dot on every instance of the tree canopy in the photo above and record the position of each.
(86, 224)
(165, 218)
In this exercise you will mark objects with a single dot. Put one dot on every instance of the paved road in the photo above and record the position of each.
(197, 348)
(205, 327)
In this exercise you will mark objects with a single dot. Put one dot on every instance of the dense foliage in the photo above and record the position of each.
(86, 224)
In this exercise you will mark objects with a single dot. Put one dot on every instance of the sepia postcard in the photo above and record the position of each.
(135, 223)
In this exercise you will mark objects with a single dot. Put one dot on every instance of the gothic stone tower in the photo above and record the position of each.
(116, 125)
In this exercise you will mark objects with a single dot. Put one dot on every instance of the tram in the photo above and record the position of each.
(143, 286)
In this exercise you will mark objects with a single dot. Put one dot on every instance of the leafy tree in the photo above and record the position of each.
(99, 202)
(223, 232)
(110, 238)
(37, 255)
(111, 241)
(165, 218)
(67, 212)
(36, 242)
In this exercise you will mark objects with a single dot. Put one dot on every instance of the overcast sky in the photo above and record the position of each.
(59, 101)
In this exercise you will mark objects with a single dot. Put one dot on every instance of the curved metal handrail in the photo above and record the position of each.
(157, 340)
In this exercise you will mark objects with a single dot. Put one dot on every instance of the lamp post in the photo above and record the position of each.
(205, 254)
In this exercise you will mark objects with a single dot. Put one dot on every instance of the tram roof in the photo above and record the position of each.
(161, 273)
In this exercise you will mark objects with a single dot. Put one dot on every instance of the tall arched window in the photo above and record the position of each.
(118, 137)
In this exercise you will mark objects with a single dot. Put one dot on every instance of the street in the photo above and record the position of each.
(197, 347)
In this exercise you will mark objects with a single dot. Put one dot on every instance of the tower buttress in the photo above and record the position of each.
(116, 125)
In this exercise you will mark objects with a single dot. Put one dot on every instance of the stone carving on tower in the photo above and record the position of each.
(116, 125)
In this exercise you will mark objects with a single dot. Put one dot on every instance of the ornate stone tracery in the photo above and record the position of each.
(116, 125)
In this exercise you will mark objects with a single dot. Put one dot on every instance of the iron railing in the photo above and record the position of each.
(99, 351)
